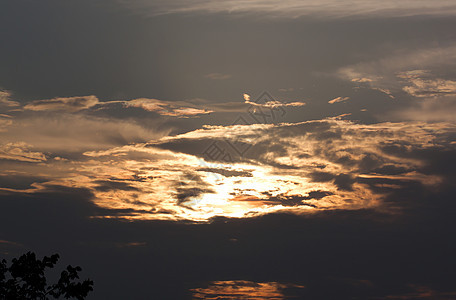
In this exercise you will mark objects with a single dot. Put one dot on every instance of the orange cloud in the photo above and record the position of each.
(20, 152)
(5, 99)
(69, 104)
(338, 99)
(297, 168)
(243, 290)
(166, 108)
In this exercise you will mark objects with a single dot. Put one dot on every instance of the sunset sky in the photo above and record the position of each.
(196, 149)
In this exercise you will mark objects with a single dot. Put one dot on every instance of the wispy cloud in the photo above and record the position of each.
(338, 99)
(166, 108)
(295, 8)
(69, 104)
(218, 76)
(5, 99)
(421, 83)
(5, 121)
(383, 73)
(20, 152)
(62, 133)
(419, 78)
(296, 168)
(178, 109)
(272, 103)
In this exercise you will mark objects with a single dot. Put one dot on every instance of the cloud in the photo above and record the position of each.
(5, 121)
(68, 104)
(166, 108)
(266, 101)
(76, 104)
(361, 80)
(64, 133)
(5, 99)
(296, 168)
(20, 152)
(423, 92)
(428, 110)
(388, 73)
(422, 84)
(243, 290)
(295, 8)
(218, 76)
(338, 99)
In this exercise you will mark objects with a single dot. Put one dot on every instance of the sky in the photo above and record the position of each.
(254, 149)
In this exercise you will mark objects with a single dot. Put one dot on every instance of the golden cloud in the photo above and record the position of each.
(69, 104)
(20, 152)
(338, 99)
(166, 108)
(297, 168)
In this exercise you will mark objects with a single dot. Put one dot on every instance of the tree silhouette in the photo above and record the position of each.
(26, 280)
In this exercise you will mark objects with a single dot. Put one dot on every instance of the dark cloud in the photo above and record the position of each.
(186, 194)
(113, 185)
(227, 173)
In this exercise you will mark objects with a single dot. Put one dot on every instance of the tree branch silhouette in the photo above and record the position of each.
(25, 279)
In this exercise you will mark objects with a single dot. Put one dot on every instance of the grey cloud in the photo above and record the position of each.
(218, 76)
(69, 104)
(227, 173)
(437, 109)
(421, 83)
(72, 133)
(5, 121)
(185, 194)
(397, 73)
(5, 99)
(113, 185)
(294, 8)
(295, 200)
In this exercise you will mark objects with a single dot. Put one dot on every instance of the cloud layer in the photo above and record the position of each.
(294, 8)
(251, 170)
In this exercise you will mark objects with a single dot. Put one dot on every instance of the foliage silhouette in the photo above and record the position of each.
(26, 280)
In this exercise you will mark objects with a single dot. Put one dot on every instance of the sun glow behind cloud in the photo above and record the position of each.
(297, 168)
(244, 290)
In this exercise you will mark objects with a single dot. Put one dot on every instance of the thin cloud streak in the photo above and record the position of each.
(338, 99)
(6, 101)
(69, 104)
(295, 9)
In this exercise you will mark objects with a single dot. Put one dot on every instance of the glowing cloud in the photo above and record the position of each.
(338, 99)
(20, 152)
(69, 104)
(243, 290)
(166, 108)
(422, 84)
(5, 99)
(296, 168)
